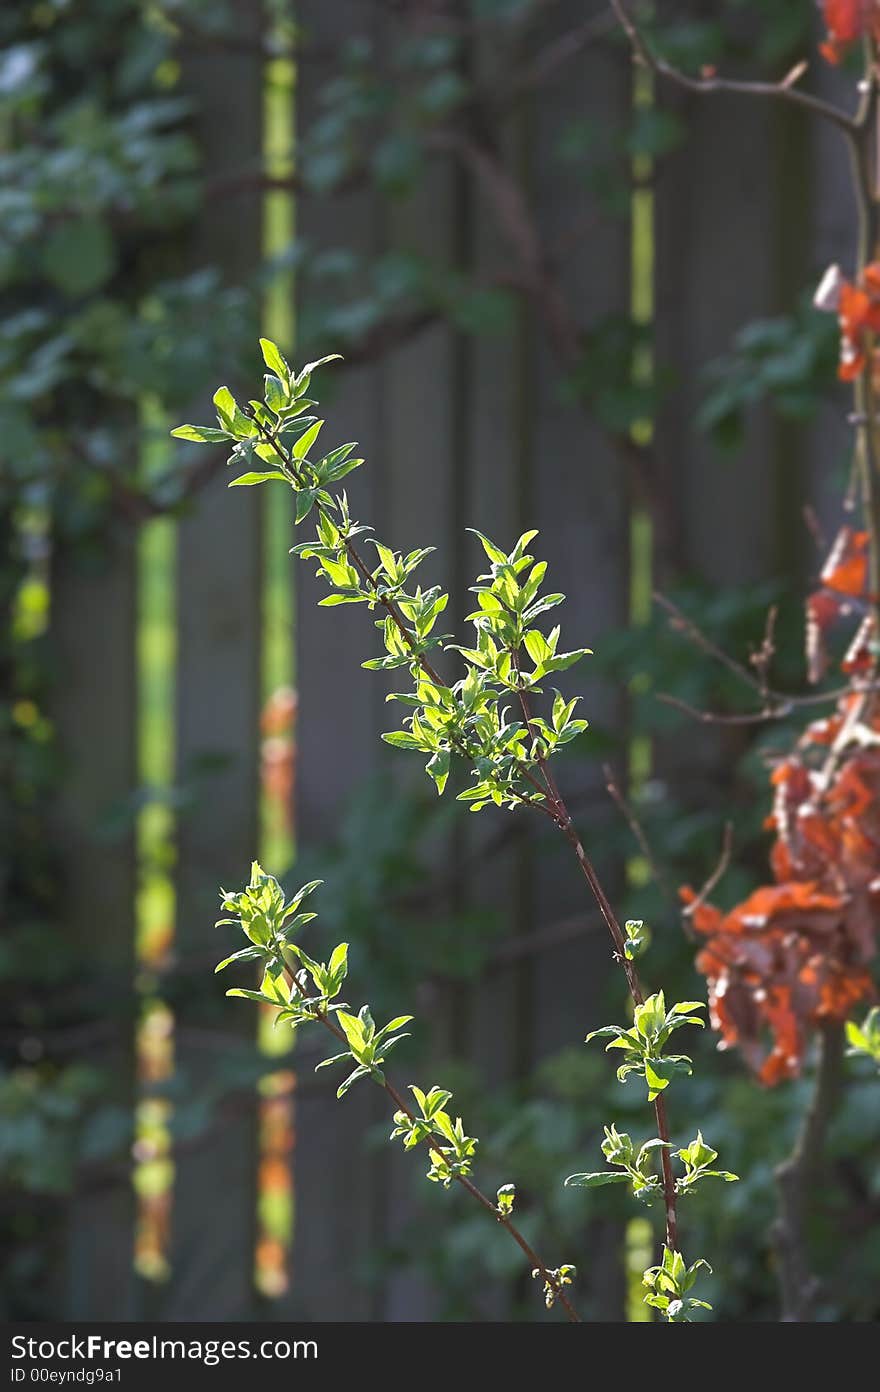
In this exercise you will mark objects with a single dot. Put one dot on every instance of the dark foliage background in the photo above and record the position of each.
(145, 171)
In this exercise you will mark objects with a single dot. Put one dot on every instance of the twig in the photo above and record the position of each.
(684, 624)
(781, 91)
(707, 717)
(763, 657)
(588, 870)
(717, 873)
(471, 1188)
(638, 832)
(400, 623)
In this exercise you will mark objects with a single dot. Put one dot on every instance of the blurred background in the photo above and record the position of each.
(565, 300)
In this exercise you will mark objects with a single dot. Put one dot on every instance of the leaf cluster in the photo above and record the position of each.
(644, 1045)
(636, 1168)
(668, 1285)
(452, 1151)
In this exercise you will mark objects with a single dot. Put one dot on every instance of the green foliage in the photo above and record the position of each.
(469, 718)
(452, 1151)
(509, 758)
(637, 938)
(367, 1046)
(698, 1159)
(506, 1197)
(645, 1043)
(106, 169)
(864, 1039)
(788, 361)
(604, 378)
(637, 1167)
(304, 991)
(668, 1285)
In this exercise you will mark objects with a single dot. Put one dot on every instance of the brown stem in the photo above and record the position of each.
(466, 1184)
(781, 91)
(588, 871)
(563, 818)
(399, 621)
(796, 1179)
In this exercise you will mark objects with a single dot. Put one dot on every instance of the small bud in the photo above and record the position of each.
(506, 1198)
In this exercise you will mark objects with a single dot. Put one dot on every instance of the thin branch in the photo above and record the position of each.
(716, 875)
(638, 832)
(707, 717)
(514, 216)
(709, 86)
(400, 623)
(561, 51)
(466, 1184)
(776, 705)
(564, 820)
(686, 625)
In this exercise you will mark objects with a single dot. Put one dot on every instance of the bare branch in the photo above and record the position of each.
(638, 832)
(781, 91)
(717, 873)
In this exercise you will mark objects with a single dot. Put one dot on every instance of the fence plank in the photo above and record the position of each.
(218, 706)
(579, 497)
(578, 484)
(92, 637)
(715, 235)
(338, 716)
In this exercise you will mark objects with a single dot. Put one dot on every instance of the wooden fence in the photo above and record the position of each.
(457, 430)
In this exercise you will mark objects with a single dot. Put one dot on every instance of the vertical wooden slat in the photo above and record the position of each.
(834, 234)
(579, 498)
(418, 507)
(92, 638)
(716, 215)
(337, 723)
(715, 231)
(218, 703)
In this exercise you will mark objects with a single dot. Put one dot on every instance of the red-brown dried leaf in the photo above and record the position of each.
(797, 952)
(847, 21)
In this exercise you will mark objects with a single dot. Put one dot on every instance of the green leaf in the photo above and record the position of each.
(226, 406)
(494, 552)
(400, 739)
(339, 960)
(393, 1025)
(336, 1058)
(856, 1037)
(248, 480)
(536, 646)
(306, 440)
(274, 359)
(302, 381)
(597, 1181)
(245, 954)
(656, 1082)
(606, 1031)
(438, 769)
(353, 1029)
(274, 392)
(359, 1072)
(305, 500)
(202, 434)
